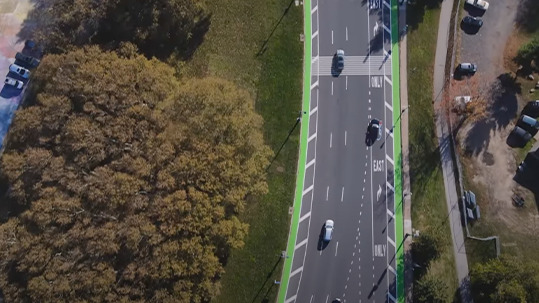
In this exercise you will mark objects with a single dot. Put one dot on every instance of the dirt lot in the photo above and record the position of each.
(489, 163)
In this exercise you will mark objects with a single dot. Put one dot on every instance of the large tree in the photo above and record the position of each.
(128, 183)
(156, 27)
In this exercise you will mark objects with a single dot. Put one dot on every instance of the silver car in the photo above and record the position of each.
(19, 70)
(328, 230)
(13, 82)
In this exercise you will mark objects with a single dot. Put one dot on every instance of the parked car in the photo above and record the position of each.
(466, 68)
(328, 230)
(19, 70)
(13, 82)
(522, 135)
(27, 61)
(529, 124)
(480, 4)
(472, 21)
(531, 109)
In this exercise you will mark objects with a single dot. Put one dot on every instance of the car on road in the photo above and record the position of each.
(340, 59)
(27, 61)
(374, 131)
(19, 70)
(13, 82)
(480, 4)
(466, 68)
(328, 230)
(472, 21)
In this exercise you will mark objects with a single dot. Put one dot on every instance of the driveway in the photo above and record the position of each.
(12, 15)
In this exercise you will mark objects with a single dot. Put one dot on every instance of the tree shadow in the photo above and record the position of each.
(527, 13)
(415, 11)
(270, 273)
(264, 45)
(529, 179)
(501, 111)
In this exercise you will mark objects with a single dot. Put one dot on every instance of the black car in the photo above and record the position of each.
(531, 109)
(466, 68)
(374, 131)
(26, 61)
(472, 21)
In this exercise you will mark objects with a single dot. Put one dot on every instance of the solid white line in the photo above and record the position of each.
(390, 187)
(332, 88)
(342, 194)
(300, 244)
(310, 163)
(347, 33)
(392, 215)
(344, 138)
(327, 194)
(314, 9)
(296, 271)
(372, 210)
(389, 160)
(305, 217)
(315, 84)
(391, 241)
(315, 34)
(388, 80)
(293, 298)
(311, 137)
(308, 190)
(389, 106)
(336, 248)
(346, 86)
(331, 37)
(330, 139)
(314, 110)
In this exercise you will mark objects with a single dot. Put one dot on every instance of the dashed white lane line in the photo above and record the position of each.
(311, 299)
(336, 248)
(344, 138)
(346, 81)
(327, 298)
(331, 37)
(330, 139)
(327, 193)
(332, 88)
(347, 33)
(342, 194)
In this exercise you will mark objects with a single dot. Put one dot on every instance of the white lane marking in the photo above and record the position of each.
(327, 299)
(314, 9)
(305, 217)
(332, 88)
(378, 192)
(314, 59)
(315, 84)
(375, 29)
(391, 297)
(342, 194)
(391, 269)
(389, 106)
(387, 5)
(388, 80)
(315, 34)
(392, 215)
(331, 37)
(389, 160)
(390, 186)
(336, 248)
(308, 189)
(296, 271)
(387, 29)
(330, 140)
(327, 194)
(344, 138)
(310, 163)
(369, 100)
(346, 83)
(347, 33)
(311, 137)
(314, 110)
(311, 299)
(372, 211)
(293, 298)
(391, 241)
(369, 95)
(301, 244)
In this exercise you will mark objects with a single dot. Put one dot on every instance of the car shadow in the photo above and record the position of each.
(473, 11)
(9, 92)
(321, 243)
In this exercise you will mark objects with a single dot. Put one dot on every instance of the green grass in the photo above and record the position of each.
(429, 209)
(274, 79)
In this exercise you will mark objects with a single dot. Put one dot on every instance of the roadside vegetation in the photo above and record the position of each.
(435, 278)
(138, 169)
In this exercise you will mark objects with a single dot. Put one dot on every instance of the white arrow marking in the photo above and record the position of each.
(379, 192)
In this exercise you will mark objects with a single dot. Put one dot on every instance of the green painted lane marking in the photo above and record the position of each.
(399, 233)
(302, 150)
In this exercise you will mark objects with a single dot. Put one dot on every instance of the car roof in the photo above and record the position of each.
(329, 223)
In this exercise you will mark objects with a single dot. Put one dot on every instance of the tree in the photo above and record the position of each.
(130, 183)
(528, 53)
(156, 27)
(430, 290)
(506, 279)
(427, 247)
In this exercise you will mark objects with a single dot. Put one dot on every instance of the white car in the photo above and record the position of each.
(19, 70)
(13, 82)
(328, 230)
(480, 4)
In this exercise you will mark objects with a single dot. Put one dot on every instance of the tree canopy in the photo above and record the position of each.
(506, 279)
(430, 290)
(156, 27)
(129, 184)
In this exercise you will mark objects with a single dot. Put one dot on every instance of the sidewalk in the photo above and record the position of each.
(408, 272)
(444, 139)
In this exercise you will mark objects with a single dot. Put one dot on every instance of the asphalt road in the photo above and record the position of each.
(352, 182)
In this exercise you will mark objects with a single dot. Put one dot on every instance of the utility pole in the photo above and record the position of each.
(393, 127)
